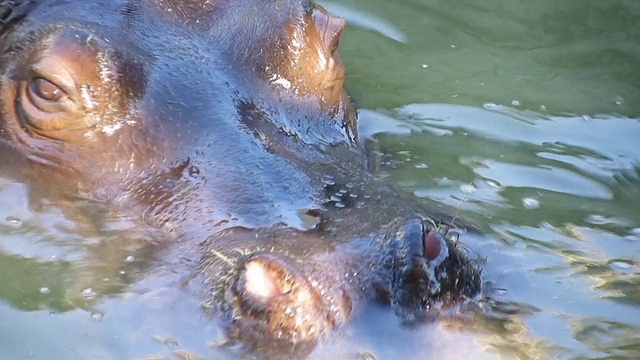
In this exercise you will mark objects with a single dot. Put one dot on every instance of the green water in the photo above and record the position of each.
(525, 115)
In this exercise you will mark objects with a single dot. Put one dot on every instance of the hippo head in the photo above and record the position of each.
(115, 92)
(227, 122)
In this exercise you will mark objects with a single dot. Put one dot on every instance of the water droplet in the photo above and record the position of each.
(97, 316)
(328, 180)
(530, 203)
(130, 258)
(452, 45)
(619, 101)
(340, 205)
(44, 290)
(353, 195)
(421, 166)
(424, 66)
(490, 106)
(543, 108)
(335, 198)
(515, 102)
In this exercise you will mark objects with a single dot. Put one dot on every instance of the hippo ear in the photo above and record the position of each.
(11, 11)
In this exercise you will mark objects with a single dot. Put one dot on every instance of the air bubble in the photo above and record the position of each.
(89, 293)
(44, 290)
(14, 221)
(515, 102)
(467, 188)
(620, 265)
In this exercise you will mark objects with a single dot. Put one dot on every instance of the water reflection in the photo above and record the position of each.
(576, 57)
(560, 267)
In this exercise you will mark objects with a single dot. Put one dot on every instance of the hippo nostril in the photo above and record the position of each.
(266, 279)
(329, 27)
(432, 246)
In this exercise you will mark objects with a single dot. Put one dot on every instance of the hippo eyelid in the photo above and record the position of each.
(46, 90)
(58, 76)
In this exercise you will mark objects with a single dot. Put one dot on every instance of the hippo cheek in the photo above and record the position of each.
(273, 299)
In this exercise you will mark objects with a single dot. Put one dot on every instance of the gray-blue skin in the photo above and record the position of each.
(226, 125)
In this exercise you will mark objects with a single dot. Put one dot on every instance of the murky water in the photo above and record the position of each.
(524, 115)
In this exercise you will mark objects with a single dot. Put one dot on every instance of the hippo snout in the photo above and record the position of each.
(269, 294)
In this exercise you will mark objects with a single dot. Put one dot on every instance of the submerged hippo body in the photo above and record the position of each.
(225, 124)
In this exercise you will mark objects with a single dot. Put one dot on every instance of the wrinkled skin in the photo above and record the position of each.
(226, 125)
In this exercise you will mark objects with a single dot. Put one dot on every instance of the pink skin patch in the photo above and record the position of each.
(259, 281)
(432, 246)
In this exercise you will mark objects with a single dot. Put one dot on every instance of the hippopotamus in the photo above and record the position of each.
(224, 125)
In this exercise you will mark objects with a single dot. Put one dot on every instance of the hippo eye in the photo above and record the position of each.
(46, 90)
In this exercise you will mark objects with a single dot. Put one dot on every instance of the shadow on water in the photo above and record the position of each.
(526, 116)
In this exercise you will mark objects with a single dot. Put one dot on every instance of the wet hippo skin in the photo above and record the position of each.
(226, 125)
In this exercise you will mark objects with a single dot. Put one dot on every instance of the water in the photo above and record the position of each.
(525, 115)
